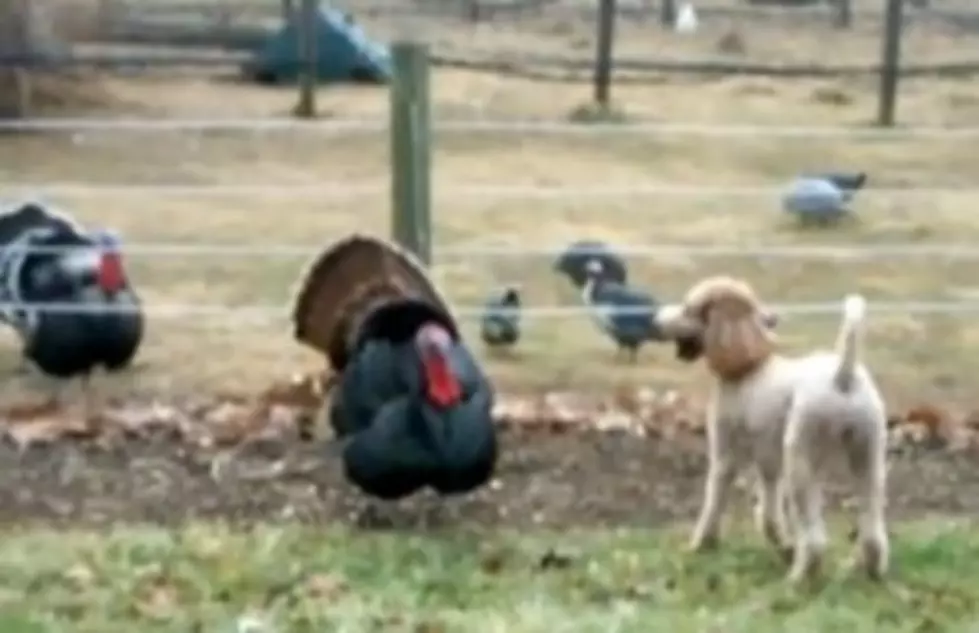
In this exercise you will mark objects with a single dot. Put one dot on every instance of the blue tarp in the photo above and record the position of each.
(343, 52)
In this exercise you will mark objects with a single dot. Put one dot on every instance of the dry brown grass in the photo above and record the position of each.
(917, 357)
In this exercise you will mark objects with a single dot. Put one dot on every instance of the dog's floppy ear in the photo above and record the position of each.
(737, 334)
(737, 338)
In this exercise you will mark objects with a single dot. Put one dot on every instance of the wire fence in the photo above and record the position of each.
(509, 127)
(328, 190)
(247, 313)
(261, 125)
(469, 250)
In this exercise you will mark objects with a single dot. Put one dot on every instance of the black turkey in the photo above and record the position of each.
(411, 404)
(65, 292)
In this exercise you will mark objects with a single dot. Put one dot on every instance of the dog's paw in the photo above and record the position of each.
(805, 569)
(786, 553)
(703, 543)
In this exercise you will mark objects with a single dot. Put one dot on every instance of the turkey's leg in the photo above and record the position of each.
(24, 367)
(76, 396)
(91, 397)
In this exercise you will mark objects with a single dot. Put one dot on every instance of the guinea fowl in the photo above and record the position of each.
(500, 322)
(573, 263)
(411, 403)
(46, 258)
(822, 198)
(627, 315)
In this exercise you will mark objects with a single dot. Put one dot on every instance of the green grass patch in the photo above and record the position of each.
(291, 579)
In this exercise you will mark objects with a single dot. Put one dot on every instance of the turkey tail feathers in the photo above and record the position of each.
(19, 218)
(346, 283)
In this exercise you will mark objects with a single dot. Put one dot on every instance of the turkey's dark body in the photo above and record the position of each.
(65, 345)
(398, 441)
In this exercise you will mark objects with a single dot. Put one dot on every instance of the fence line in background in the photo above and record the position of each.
(489, 251)
(275, 312)
(489, 126)
(374, 187)
(818, 251)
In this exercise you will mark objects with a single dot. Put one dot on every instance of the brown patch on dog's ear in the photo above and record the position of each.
(736, 339)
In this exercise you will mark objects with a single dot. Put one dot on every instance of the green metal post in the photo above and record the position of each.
(890, 64)
(308, 73)
(411, 150)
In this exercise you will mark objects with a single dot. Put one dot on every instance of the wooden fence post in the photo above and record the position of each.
(844, 14)
(411, 150)
(890, 63)
(603, 52)
(308, 73)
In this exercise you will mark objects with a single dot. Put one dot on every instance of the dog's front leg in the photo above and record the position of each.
(721, 471)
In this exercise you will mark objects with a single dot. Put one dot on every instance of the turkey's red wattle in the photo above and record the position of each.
(441, 387)
(111, 277)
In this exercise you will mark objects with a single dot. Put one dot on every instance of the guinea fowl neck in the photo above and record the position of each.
(110, 274)
(442, 388)
(588, 291)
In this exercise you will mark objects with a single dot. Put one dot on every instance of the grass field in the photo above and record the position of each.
(917, 357)
(287, 580)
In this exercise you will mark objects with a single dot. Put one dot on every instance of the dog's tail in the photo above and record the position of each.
(848, 341)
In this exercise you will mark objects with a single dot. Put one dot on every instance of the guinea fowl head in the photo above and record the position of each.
(593, 275)
(511, 296)
(442, 388)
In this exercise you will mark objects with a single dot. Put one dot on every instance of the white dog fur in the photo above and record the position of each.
(791, 417)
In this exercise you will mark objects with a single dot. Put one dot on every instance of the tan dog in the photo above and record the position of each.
(790, 417)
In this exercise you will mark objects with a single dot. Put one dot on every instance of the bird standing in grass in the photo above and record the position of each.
(822, 199)
(625, 314)
(500, 323)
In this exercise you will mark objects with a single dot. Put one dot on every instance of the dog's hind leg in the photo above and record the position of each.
(805, 496)
(868, 463)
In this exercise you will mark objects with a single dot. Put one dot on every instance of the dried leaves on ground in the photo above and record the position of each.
(290, 410)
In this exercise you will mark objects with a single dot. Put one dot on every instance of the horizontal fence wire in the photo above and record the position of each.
(489, 251)
(354, 126)
(259, 312)
(376, 187)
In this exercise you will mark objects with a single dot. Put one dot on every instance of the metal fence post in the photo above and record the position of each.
(411, 151)
(667, 13)
(890, 63)
(603, 55)
(843, 19)
(308, 72)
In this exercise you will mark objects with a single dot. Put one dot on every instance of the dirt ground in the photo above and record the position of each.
(545, 479)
